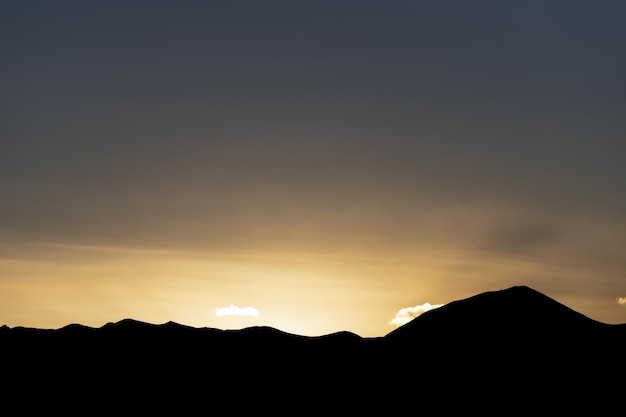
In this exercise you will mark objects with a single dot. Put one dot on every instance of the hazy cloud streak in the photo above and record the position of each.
(405, 315)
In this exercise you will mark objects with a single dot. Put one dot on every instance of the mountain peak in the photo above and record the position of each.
(517, 311)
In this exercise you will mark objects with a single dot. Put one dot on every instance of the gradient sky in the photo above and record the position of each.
(313, 166)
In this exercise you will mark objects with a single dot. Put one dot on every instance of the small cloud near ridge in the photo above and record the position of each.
(405, 315)
(233, 310)
(621, 301)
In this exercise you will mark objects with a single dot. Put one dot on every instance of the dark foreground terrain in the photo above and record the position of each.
(501, 352)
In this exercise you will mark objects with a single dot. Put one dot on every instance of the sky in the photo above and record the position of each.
(315, 166)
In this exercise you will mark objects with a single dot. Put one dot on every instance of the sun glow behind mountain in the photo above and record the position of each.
(309, 293)
(326, 163)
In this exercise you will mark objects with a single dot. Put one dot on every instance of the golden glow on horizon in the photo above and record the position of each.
(53, 285)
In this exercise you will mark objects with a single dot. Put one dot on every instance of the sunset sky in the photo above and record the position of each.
(314, 166)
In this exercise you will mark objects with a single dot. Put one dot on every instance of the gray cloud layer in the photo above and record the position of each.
(411, 123)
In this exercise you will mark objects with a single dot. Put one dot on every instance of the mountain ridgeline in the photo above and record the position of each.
(516, 345)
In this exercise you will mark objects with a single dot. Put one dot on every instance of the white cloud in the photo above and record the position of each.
(621, 301)
(405, 315)
(233, 310)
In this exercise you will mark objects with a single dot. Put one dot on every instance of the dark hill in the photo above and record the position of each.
(517, 313)
(513, 342)
(496, 350)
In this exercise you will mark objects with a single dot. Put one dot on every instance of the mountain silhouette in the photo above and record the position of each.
(516, 341)
(512, 347)
(516, 313)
